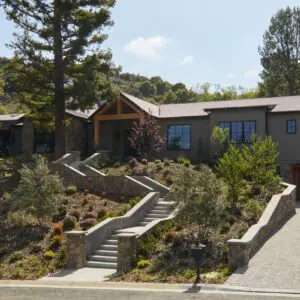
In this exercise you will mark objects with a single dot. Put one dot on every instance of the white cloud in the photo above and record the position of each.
(251, 74)
(187, 60)
(230, 75)
(147, 47)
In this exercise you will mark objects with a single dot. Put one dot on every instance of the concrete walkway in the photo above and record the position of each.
(83, 274)
(277, 263)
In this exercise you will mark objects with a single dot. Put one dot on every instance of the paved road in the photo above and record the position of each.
(277, 264)
(55, 293)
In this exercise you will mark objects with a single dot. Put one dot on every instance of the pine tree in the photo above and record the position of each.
(52, 49)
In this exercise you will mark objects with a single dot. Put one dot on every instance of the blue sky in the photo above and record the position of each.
(191, 41)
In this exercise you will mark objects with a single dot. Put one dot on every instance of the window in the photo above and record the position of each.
(179, 137)
(240, 131)
(44, 142)
(291, 126)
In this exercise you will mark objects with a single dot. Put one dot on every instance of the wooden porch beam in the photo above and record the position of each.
(115, 117)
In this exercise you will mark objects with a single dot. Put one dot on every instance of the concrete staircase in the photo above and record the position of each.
(106, 255)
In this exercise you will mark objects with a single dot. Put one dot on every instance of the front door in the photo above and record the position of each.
(128, 150)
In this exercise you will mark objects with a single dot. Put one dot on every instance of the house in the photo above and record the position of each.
(187, 128)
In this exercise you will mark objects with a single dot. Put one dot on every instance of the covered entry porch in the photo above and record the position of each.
(112, 127)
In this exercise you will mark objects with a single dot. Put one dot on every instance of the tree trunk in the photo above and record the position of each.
(59, 97)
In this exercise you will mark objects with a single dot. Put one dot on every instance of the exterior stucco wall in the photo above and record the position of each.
(288, 144)
(199, 139)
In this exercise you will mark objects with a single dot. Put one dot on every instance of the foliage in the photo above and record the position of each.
(261, 158)
(280, 54)
(145, 136)
(39, 192)
(49, 255)
(147, 89)
(51, 44)
(88, 223)
(134, 201)
(198, 196)
(231, 167)
(20, 219)
(69, 222)
(157, 161)
(220, 139)
(57, 229)
(75, 213)
(143, 263)
(144, 162)
(133, 163)
(17, 255)
(71, 189)
(90, 214)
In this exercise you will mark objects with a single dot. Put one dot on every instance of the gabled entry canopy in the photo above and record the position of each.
(125, 107)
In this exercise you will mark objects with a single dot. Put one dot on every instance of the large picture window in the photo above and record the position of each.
(240, 131)
(179, 137)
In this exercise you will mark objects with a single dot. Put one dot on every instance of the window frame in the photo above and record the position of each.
(243, 141)
(287, 126)
(190, 137)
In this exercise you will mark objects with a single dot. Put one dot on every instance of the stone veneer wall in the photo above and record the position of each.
(280, 208)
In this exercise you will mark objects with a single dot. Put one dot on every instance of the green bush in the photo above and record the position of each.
(65, 200)
(3, 251)
(181, 159)
(134, 201)
(133, 163)
(89, 215)
(101, 213)
(17, 273)
(56, 241)
(187, 163)
(69, 222)
(159, 167)
(167, 173)
(49, 255)
(17, 255)
(143, 263)
(157, 161)
(238, 229)
(75, 213)
(39, 192)
(144, 162)
(21, 219)
(167, 163)
(88, 223)
(57, 229)
(71, 189)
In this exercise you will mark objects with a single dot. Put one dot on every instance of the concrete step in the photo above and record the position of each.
(109, 247)
(103, 265)
(157, 216)
(111, 242)
(148, 219)
(159, 211)
(143, 223)
(103, 258)
(105, 252)
(165, 203)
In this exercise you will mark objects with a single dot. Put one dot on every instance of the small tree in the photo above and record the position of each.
(198, 196)
(220, 139)
(232, 168)
(261, 158)
(39, 193)
(145, 136)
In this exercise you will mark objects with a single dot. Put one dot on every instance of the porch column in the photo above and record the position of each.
(96, 133)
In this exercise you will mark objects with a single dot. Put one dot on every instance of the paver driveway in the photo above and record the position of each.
(277, 263)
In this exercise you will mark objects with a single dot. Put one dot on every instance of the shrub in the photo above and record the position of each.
(57, 229)
(187, 163)
(181, 159)
(48, 255)
(38, 191)
(238, 229)
(159, 167)
(145, 162)
(167, 163)
(157, 161)
(17, 255)
(169, 180)
(166, 173)
(90, 208)
(17, 273)
(252, 210)
(36, 248)
(69, 222)
(21, 219)
(170, 236)
(62, 211)
(143, 263)
(75, 213)
(65, 200)
(133, 163)
(101, 213)
(3, 251)
(56, 240)
(88, 223)
(232, 169)
(89, 215)
(84, 202)
(220, 140)
(71, 189)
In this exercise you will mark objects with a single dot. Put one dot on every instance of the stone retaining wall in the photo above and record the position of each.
(280, 208)
(163, 190)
